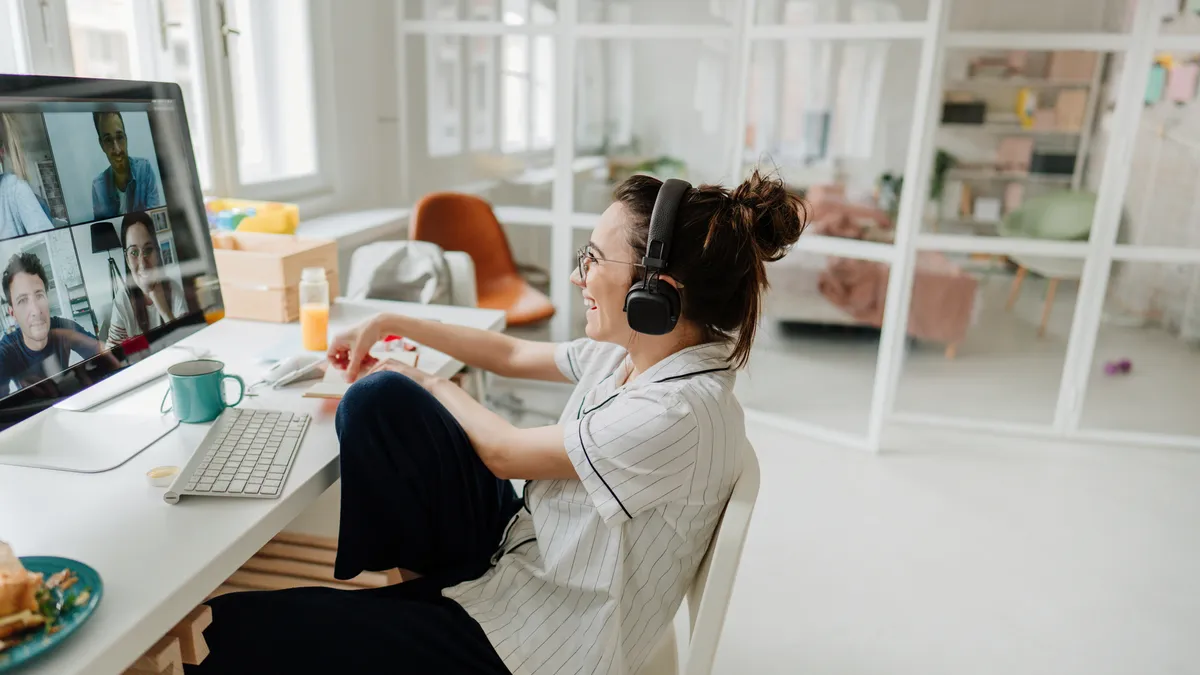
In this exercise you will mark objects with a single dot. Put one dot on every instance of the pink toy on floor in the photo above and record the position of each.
(1120, 367)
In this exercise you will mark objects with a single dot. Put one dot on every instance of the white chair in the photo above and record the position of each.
(462, 288)
(368, 257)
(708, 598)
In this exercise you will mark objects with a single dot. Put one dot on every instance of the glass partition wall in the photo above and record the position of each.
(1004, 229)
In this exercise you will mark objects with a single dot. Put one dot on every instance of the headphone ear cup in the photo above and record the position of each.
(652, 312)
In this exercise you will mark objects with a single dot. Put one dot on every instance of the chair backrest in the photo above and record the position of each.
(461, 222)
(709, 596)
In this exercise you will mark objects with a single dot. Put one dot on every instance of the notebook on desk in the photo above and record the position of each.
(334, 384)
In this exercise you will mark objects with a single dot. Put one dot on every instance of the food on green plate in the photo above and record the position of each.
(28, 603)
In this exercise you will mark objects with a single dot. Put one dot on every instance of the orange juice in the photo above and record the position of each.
(314, 326)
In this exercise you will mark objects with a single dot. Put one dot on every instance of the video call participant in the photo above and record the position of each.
(128, 184)
(42, 344)
(151, 298)
(21, 212)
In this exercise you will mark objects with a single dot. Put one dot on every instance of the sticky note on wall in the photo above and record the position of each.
(1156, 84)
(1181, 82)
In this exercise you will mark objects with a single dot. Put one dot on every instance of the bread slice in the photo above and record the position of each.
(20, 622)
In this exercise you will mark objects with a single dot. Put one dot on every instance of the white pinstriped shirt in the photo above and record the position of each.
(588, 579)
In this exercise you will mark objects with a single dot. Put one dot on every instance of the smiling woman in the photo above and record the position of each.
(583, 572)
(151, 297)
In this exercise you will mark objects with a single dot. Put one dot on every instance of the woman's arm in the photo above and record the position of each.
(507, 451)
(118, 331)
(501, 354)
(29, 210)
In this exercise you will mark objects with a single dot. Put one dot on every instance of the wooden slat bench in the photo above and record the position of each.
(290, 560)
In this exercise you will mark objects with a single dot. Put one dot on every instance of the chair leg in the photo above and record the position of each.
(1015, 291)
(1046, 309)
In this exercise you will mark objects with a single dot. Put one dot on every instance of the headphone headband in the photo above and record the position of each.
(662, 223)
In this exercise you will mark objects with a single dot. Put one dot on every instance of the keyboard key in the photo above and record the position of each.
(269, 490)
(237, 486)
(191, 485)
(259, 473)
(203, 487)
(211, 473)
(251, 489)
(285, 452)
(276, 471)
(221, 486)
(272, 482)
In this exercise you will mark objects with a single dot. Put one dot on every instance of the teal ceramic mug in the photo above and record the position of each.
(198, 390)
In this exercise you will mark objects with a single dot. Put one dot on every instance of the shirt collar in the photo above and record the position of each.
(707, 356)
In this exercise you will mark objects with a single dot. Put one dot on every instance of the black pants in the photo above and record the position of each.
(415, 495)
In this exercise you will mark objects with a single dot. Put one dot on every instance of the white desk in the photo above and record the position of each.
(159, 561)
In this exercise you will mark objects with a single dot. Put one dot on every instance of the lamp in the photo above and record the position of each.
(105, 240)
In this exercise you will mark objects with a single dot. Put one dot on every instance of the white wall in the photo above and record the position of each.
(95, 272)
(359, 99)
(1039, 15)
(680, 89)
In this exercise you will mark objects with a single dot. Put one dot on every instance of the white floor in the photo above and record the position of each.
(985, 557)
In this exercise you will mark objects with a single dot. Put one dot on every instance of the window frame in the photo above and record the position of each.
(317, 192)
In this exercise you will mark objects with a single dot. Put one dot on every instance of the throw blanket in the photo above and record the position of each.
(943, 295)
(407, 271)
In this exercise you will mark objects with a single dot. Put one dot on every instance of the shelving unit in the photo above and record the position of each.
(980, 175)
(1001, 123)
(931, 39)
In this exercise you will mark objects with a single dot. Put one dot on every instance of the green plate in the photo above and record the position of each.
(39, 642)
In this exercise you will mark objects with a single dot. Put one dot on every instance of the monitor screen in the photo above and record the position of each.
(105, 254)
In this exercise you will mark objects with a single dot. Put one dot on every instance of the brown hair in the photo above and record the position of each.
(720, 245)
(137, 299)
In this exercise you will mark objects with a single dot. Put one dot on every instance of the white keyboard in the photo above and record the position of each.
(246, 453)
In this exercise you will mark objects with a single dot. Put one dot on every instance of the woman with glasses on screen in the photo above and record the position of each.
(151, 298)
(21, 212)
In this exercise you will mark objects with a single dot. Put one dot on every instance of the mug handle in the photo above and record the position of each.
(241, 389)
(163, 407)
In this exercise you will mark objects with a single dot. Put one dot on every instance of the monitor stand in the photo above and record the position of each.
(84, 442)
(69, 435)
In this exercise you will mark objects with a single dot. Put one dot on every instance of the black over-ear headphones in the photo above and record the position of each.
(652, 305)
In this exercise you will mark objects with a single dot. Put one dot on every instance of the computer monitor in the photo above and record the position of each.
(105, 255)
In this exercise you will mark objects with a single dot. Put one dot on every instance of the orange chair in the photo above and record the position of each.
(459, 222)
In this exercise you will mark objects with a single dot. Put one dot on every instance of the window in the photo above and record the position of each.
(444, 71)
(828, 104)
(527, 82)
(272, 81)
(257, 55)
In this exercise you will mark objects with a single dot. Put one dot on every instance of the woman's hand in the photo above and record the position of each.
(158, 297)
(351, 351)
(415, 374)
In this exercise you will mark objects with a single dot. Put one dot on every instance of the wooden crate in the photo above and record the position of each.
(260, 273)
(293, 560)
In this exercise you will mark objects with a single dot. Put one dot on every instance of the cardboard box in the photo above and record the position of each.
(260, 273)
(1072, 65)
(1070, 109)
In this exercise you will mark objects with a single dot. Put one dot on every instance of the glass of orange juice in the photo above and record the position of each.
(314, 309)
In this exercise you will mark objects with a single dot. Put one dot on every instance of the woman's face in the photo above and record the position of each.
(141, 252)
(608, 258)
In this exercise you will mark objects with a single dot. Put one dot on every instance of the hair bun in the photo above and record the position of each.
(774, 217)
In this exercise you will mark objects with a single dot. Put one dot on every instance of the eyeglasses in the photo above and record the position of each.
(585, 258)
(144, 252)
